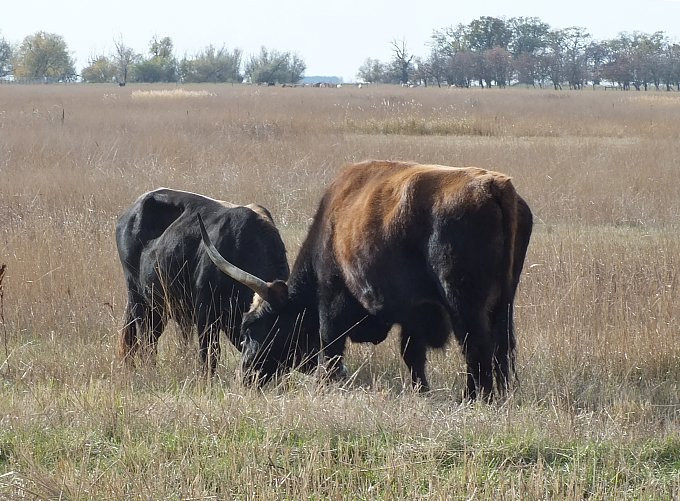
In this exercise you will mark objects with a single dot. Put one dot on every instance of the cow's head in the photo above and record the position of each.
(273, 331)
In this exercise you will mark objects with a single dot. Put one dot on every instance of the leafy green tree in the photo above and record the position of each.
(5, 57)
(161, 48)
(212, 65)
(435, 66)
(272, 66)
(463, 68)
(671, 66)
(100, 70)
(372, 71)
(528, 35)
(618, 65)
(596, 54)
(161, 66)
(450, 41)
(648, 57)
(488, 32)
(44, 55)
(575, 41)
(554, 58)
(154, 70)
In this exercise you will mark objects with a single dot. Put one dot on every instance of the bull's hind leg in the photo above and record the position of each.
(208, 342)
(142, 327)
(474, 334)
(133, 327)
(129, 340)
(154, 326)
(504, 356)
(479, 373)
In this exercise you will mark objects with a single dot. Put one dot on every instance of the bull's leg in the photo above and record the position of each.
(208, 343)
(479, 373)
(136, 327)
(129, 338)
(156, 326)
(333, 337)
(413, 351)
(331, 355)
(428, 325)
(504, 356)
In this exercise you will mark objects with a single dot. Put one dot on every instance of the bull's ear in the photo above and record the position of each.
(277, 294)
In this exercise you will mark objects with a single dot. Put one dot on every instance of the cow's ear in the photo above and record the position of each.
(277, 294)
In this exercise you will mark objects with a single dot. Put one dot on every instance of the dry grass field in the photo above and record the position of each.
(596, 411)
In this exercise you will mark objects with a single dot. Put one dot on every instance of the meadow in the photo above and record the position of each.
(595, 412)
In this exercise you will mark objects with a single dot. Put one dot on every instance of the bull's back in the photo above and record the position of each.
(158, 239)
(376, 205)
(418, 220)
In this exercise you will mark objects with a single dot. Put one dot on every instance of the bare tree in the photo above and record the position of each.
(402, 60)
(124, 58)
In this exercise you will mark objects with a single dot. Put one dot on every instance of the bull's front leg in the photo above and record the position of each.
(333, 338)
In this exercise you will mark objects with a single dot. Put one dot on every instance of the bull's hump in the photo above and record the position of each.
(377, 195)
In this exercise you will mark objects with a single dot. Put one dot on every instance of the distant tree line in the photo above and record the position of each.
(45, 57)
(495, 51)
(487, 52)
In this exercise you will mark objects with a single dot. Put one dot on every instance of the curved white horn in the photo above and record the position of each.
(257, 285)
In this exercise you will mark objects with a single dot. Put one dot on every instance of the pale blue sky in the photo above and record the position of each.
(334, 37)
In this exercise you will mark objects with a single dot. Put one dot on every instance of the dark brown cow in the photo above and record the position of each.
(434, 249)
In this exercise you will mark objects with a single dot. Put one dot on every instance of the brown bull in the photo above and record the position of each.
(434, 249)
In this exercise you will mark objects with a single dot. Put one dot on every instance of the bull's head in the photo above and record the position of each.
(273, 330)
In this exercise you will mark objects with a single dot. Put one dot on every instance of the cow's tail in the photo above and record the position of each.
(516, 227)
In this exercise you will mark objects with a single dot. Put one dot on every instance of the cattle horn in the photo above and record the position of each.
(257, 285)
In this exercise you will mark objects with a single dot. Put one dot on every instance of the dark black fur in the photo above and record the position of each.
(169, 276)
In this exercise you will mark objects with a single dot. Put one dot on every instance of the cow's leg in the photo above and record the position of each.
(132, 328)
(331, 354)
(413, 351)
(143, 325)
(333, 329)
(428, 325)
(208, 342)
(479, 373)
(153, 326)
(473, 332)
(504, 355)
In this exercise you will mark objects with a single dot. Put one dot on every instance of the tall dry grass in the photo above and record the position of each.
(597, 406)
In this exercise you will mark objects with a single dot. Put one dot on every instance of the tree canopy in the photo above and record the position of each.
(271, 66)
(5, 57)
(496, 51)
(43, 56)
(212, 65)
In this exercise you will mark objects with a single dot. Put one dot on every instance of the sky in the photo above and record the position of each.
(333, 37)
